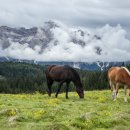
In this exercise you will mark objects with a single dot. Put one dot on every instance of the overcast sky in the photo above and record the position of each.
(88, 13)
(102, 14)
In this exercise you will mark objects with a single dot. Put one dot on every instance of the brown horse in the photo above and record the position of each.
(63, 74)
(119, 76)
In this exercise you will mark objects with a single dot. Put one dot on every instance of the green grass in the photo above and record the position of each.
(40, 112)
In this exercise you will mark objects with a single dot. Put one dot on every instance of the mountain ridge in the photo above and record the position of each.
(100, 66)
(57, 42)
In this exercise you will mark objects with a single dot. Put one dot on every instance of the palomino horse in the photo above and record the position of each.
(119, 76)
(63, 74)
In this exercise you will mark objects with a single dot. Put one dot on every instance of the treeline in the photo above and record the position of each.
(28, 78)
(21, 78)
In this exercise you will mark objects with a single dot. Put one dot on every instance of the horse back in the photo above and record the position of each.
(119, 75)
(59, 73)
(123, 76)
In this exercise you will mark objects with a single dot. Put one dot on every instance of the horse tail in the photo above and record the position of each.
(109, 81)
(48, 69)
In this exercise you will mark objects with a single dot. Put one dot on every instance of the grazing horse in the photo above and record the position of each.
(119, 76)
(63, 74)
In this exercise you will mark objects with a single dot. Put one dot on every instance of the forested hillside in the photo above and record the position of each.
(28, 78)
(21, 77)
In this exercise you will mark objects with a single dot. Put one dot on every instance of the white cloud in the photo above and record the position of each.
(71, 12)
(113, 43)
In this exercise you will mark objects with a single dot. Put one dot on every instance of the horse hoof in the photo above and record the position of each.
(125, 99)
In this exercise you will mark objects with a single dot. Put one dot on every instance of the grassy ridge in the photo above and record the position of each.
(39, 112)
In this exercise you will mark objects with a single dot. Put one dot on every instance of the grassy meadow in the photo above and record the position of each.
(40, 112)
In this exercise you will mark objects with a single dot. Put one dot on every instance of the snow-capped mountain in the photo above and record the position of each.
(101, 66)
(55, 41)
(42, 36)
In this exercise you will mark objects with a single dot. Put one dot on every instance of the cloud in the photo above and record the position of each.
(89, 13)
(110, 42)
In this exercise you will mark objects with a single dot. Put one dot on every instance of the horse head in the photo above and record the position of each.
(80, 90)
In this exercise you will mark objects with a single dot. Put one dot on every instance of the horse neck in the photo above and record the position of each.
(77, 83)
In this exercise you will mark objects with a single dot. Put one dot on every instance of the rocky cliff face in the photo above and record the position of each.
(41, 36)
(57, 42)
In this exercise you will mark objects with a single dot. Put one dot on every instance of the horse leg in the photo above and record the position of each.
(117, 88)
(129, 90)
(114, 92)
(59, 87)
(67, 88)
(110, 84)
(49, 84)
(125, 89)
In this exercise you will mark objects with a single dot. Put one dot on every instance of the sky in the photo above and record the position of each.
(108, 18)
(87, 13)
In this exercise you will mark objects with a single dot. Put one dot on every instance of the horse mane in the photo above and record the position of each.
(126, 70)
(73, 71)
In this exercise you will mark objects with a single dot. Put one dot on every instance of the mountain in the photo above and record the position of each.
(101, 66)
(56, 42)
(42, 36)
